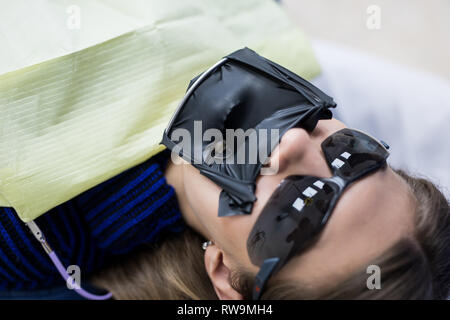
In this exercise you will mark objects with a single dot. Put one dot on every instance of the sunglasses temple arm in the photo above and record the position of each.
(263, 275)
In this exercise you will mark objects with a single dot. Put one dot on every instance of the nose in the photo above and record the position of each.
(290, 149)
(299, 152)
(293, 144)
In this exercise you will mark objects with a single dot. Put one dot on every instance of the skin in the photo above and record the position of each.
(372, 215)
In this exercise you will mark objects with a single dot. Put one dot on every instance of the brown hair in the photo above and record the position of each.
(411, 269)
(173, 269)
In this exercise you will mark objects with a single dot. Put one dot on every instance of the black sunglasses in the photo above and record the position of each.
(301, 205)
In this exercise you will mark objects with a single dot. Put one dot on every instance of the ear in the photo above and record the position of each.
(219, 273)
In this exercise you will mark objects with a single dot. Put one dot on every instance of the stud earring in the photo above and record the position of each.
(206, 244)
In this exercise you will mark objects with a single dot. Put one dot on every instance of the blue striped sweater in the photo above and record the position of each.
(105, 222)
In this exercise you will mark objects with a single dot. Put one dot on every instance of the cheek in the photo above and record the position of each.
(265, 185)
(233, 236)
(203, 197)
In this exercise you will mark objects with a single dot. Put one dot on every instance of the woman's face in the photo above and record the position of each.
(371, 215)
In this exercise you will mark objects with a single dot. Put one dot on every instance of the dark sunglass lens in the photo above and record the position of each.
(295, 212)
(351, 153)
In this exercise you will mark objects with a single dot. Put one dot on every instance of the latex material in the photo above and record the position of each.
(79, 106)
(245, 92)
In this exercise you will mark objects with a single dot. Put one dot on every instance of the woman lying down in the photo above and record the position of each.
(260, 194)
